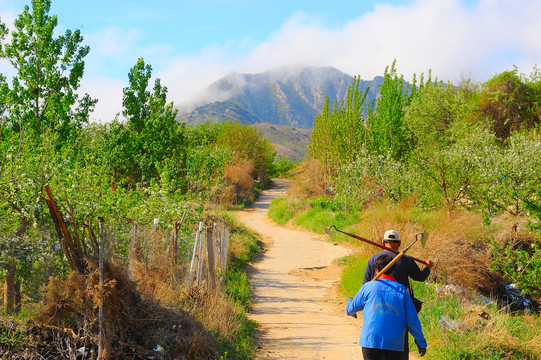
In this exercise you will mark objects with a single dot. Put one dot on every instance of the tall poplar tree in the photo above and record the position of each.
(389, 135)
(48, 71)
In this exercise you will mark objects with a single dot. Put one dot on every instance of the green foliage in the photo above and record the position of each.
(371, 176)
(246, 143)
(388, 133)
(338, 135)
(493, 335)
(448, 176)
(281, 167)
(511, 102)
(510, 175)
(282, 209)
(323, 212)
(152, 139)
(11, 337)
(519, 260)
(352, 276)
(48, 73)
(440, 114)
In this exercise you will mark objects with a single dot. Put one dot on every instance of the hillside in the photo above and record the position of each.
(285, 96)
(289, 142)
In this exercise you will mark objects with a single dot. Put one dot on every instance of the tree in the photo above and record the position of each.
(136, 96)
(339, 135)
(511, 174)
(48, 73)
(510, 103)
(153, 139)
(389, 134)
(447, 176)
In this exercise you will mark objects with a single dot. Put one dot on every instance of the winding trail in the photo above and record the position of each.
(294, 291)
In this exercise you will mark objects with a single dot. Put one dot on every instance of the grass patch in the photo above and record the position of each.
(352, 275)
(282, 210)
(479, 331)
(243, 247)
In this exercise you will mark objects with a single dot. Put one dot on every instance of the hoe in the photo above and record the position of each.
(423, 236)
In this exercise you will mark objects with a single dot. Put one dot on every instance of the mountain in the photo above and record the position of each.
(290, 96)
(287, 141)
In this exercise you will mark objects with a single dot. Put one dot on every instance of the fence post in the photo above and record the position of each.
(200, 258)
(100, 274)
(195, 252)
(210, 257)
(225, 251)
(131, 265)
(175, 242)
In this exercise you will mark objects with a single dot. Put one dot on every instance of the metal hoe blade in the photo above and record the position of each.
(329, 232)
(424, 237)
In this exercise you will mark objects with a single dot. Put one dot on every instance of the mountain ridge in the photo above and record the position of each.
(291, 96)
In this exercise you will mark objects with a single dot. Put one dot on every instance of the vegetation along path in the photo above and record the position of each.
(295, 300)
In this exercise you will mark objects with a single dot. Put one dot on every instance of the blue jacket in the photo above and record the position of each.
(388, 313)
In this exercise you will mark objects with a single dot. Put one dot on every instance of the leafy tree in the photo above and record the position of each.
(153, 138)
(48, 73)
(136, 96)
(371, 176)
(440, 114)
(246, 143)
(389, 134)
(510, 103)
(446, 177)
(339, 135)
(519, 260)
(510, 175)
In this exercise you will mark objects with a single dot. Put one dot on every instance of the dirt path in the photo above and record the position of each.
(295, 299)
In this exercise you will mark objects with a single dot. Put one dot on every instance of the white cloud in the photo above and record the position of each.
(444, 36)
(108, 91)
(449, 37)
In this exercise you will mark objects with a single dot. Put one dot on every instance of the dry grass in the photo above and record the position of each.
(308, 181)
(239, 176)
(134, 323)
(494, 329)
(456, 240)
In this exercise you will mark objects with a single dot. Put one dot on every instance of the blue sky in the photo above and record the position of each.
(192, 43)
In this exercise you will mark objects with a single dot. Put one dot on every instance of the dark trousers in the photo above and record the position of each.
(405, 355)
(380, 354)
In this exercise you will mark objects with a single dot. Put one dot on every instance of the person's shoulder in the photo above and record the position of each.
(377, 255)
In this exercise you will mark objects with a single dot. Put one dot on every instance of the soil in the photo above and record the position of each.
(295, 298)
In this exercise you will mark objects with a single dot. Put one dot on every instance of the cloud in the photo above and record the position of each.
(108, 91)
(445, 36)
(450, 37)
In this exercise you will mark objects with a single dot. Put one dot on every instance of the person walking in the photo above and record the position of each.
(388, 314)
(405, 269)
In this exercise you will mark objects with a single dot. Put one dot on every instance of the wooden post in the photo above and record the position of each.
(100, 310)
(195, 252)
(210, 257)
(175, 242)
(131, 259)
(200, 255)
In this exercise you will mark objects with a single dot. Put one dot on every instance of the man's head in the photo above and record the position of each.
(383, 261)
(391, 239)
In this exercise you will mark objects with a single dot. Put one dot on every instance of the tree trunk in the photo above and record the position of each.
(9, 290)
(17, 290)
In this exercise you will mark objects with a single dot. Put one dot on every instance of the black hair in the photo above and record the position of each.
(383, 261)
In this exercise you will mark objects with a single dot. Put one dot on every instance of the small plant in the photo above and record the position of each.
(11, 336)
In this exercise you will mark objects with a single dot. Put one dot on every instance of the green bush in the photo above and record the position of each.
(323, 213)
(352, 275)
